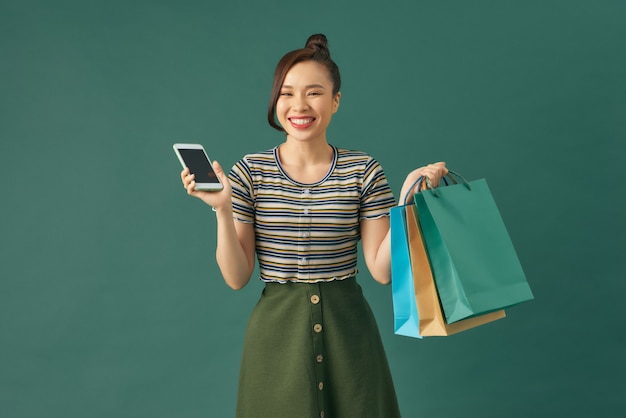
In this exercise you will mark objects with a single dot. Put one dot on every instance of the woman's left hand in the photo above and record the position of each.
(434, 172)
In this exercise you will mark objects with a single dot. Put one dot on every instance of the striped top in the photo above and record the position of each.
(308, 232)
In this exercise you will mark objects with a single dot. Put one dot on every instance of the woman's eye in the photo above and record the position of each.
(285, 93)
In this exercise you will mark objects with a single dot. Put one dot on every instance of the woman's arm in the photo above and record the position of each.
(375, 233)
(235, 240)
(235, 249)
(376, 245)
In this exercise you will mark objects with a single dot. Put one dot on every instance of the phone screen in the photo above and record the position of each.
(199, 165)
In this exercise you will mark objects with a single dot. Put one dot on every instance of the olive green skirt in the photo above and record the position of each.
(314, 350)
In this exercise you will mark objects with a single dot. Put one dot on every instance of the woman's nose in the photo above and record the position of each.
(300, 103)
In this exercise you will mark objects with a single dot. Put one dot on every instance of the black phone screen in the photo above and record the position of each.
(198, 164)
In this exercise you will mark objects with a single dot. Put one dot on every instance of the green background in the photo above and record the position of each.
(111, 303)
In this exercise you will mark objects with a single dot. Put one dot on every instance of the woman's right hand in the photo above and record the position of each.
(216, 199)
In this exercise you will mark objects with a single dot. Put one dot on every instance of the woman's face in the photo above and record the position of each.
(306, 102)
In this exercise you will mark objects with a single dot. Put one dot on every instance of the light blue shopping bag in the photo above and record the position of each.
(405, 319)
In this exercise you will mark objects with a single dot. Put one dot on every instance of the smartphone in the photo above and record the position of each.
(195, 158)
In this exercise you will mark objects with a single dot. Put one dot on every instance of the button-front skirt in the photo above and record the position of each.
(314, 351)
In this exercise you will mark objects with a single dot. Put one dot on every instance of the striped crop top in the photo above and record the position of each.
(308, 232)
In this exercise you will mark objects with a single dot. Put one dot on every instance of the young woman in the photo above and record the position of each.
(312, 346)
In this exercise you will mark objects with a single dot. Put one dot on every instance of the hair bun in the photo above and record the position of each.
(318, 43)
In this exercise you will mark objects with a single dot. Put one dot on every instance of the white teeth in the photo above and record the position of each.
(301, 121)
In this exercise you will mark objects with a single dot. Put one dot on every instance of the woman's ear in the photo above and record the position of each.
(336, 100)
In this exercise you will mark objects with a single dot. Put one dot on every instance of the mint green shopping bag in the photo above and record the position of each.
(475, 266)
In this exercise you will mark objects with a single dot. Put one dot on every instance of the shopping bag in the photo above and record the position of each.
(430, 314)
(405, 319)
(473, 261)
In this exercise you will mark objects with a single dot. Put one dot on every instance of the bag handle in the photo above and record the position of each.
(451, 174)
(420, 180)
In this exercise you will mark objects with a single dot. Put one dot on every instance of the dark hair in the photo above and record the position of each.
(315, 49)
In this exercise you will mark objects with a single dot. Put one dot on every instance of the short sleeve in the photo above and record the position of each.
(376, 197)
(243, 192)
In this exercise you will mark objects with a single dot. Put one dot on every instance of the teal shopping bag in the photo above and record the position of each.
(474, 264)
(405, 319)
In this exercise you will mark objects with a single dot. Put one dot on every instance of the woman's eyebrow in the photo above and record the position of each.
(310, 86)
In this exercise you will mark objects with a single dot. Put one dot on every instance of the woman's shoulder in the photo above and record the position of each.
(256, 159)
(346, 152)
(260, 155)
(354, 157)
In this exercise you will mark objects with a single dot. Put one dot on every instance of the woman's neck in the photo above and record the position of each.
(300, 153)
(306, 162)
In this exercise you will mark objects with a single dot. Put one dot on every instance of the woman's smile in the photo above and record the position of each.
(301, 122)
